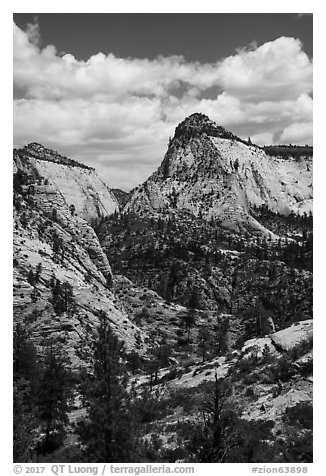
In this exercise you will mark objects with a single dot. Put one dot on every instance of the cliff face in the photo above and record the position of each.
(213, 174)
(78, 185)
(62, 277)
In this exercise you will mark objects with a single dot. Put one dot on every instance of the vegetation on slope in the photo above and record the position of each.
(184, 258)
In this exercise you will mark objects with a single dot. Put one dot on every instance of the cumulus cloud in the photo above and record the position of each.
(297, 133)
(117, 113)
(276, 70)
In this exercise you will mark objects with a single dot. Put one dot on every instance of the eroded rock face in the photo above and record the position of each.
(79, 185)
(54, 248)
(212, 173)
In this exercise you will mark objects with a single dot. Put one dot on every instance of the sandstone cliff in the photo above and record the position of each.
(62, 277)
(213, 174)
(78, 184)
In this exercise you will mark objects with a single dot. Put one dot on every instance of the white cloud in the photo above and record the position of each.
(117, 114)
(276, 70)
(297, 133)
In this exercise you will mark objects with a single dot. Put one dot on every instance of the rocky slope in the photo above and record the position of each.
(211, 173)
(184, 257)
(271, 380)
(78, 184)
(62, 278)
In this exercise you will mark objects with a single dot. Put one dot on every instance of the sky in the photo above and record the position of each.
(109, 89)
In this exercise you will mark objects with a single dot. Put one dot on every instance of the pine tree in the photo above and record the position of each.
(204, 342)
(62, 296)
(38, 272)
(172, 280)
(54, 214)
(107, 433)
(25, 357)
(215, 439)
(159, 358)
(220, 337)
(53, 397)
(24, 422)
(25, 374)
(133, 362)
(31, 277)
(190, 317)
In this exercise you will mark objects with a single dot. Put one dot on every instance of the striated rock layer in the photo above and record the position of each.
(78, 184)
(56, 252)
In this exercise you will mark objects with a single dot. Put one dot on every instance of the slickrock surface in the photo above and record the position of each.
(212, 173)
(78, 184)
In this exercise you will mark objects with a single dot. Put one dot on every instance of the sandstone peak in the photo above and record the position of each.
(197, 124)
(211, 173)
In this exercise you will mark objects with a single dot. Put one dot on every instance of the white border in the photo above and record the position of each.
(168, 6)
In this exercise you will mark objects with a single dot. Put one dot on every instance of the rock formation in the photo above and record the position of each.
(57, 256)
(213, 174)
(78, 184)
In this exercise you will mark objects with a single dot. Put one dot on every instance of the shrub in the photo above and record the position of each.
(306, 368)
(172, 455)
(253, 377)
(250, 392)
(283, 370)
(244, 366)
(172, 374)
(301, 415)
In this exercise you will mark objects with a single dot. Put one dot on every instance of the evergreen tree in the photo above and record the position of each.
(256, 320)
(53, 398)
(31, 277)
(213, 440)
(24, 220)
(160, 358)
(57, 247)
(193, 300)
(107, 433)
(172, 280)
(54, 214)
(133, 362)
(20, 178)
(38, 272)
(62, 296)
(25, 356)
(220, 338)
(25, 374)
(24, 422)
(190, 317)
(204, 342)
